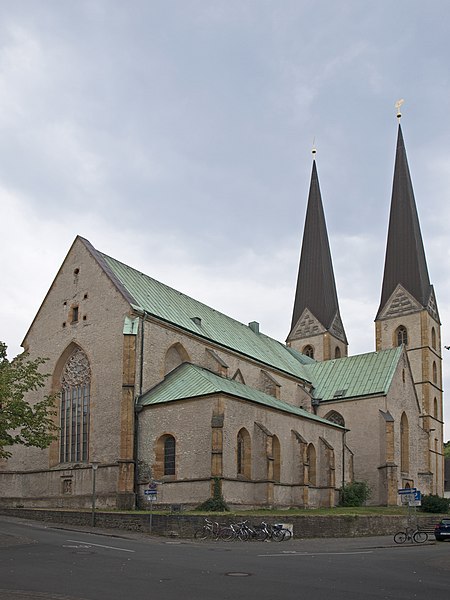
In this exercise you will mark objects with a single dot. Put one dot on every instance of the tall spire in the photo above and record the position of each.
(316, 288)
(405, 262)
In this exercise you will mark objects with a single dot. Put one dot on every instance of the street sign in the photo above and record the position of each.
(402, 491)
(416, 499)
(150, 492)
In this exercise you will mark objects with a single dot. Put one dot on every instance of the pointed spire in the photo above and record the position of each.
(405, 261)
(316, 288)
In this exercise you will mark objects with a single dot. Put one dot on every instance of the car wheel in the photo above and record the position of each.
(439, 538)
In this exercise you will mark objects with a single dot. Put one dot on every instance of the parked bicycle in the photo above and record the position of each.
(210, 530)
(243, 531)
(412, 534)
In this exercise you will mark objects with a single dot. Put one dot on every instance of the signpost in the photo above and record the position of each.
(411, 497)
(151, 494)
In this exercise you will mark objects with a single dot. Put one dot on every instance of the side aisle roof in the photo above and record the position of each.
(190, 381)
(354, 376)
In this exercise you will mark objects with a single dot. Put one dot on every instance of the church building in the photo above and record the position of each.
(156, 388)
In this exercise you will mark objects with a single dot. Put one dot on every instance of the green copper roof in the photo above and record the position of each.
(163, 302)
(354, 376)
(192, 381)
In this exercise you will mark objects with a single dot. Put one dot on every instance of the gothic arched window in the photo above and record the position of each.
(311, 458)
(404, 443)
(74, 409)
(402, 336)
(335, 417)
(308, 351)
(337, 352)
(244, 456)
(434, 372)
(175, 356)
(169, 455)
(276, 453)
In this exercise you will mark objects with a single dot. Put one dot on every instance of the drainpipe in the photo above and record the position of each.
(138, 408)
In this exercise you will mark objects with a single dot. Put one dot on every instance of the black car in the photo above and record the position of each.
(442, 530)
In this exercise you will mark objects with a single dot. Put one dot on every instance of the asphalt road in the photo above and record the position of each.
(48, 562)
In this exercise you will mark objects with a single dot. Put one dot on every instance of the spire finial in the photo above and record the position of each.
(314, 149)
(398, 105)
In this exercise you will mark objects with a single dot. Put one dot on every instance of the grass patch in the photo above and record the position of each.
(291, 512)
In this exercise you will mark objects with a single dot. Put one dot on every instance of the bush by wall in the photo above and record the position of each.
(432, 503)
(354, 494)
(216, 503)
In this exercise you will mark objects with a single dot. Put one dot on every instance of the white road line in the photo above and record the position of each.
(285, 554)
(100, 545)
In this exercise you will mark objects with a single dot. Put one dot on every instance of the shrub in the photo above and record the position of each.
(354, 494)
(435, 504)
(216, 503)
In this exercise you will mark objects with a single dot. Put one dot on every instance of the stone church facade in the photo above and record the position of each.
(156, 387)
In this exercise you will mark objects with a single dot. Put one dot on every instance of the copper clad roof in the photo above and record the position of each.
(316, 287)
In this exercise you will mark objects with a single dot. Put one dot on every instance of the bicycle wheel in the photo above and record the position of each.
(400, 537)
(278, 535)
(243, 535)
(420, 537)
(201, 534)
(261, 535)
(227, 534)
(287, 534)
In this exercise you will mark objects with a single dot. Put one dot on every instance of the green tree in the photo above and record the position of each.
(447, 449)
(21, 422)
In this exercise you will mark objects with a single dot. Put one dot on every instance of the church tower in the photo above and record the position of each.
(316, 328)
(408, 311)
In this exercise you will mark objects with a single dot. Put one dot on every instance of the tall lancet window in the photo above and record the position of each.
(74, 408)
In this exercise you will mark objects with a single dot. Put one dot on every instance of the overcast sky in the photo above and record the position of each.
(176, 136)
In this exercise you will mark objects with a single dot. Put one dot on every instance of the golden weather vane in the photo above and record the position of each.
(398, 106)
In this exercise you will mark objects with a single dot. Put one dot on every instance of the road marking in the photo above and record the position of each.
(88, 544)
(285, 554)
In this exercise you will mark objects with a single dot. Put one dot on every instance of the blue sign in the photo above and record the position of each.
(150, 492)
(407, 491)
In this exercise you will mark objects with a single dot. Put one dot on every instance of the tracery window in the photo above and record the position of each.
(335, 417)
(402, 336)
(74, 409)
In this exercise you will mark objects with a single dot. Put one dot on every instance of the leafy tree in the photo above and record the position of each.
(21, 422)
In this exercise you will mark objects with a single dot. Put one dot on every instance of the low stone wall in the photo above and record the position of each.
(183, 525)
